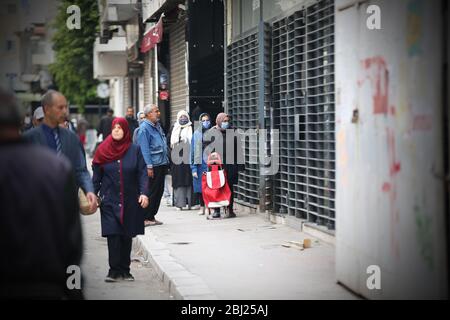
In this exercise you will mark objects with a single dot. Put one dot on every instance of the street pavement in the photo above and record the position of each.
(242, 258)
(190, 257)
(94, 268)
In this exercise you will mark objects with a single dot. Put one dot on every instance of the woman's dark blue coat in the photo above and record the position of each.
(119, 185)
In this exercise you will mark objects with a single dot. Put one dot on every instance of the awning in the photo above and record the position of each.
(152, 37)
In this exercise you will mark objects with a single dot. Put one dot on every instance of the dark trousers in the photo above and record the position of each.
(230, 207)
(119, 249)
(156, 190)
(198, 199)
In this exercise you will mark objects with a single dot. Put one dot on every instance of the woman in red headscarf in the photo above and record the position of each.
(120, 181)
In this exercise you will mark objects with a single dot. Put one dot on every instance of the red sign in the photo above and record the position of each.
(152, 37)
(164, 95)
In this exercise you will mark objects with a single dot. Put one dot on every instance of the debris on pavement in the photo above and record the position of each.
(306, 244)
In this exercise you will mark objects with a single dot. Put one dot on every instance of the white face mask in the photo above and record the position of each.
(27, 120)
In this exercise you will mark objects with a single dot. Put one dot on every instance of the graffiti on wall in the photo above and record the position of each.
(376, 75)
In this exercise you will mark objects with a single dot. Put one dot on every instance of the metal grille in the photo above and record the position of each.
(242, 86)
(303, 95)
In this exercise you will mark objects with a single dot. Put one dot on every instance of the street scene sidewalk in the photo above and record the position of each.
(242, 258)
(95, 267)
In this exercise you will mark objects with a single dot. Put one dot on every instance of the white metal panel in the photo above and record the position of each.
(149, 7)
(110, 60)
(389, 204)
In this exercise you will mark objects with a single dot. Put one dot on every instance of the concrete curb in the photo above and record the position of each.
(181, 283)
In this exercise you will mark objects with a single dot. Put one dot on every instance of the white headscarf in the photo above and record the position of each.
(181, 133)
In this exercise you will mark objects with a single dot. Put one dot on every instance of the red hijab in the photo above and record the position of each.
(110, 149)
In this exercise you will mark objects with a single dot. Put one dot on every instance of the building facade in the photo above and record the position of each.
(352, 112)
(26, 48)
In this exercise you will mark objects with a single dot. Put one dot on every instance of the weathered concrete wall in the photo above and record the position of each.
(390, 204)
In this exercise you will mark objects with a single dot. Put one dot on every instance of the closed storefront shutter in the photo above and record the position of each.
(303, 95)
(147, 79)
(178, 77)
(303, 99)
(126, 91)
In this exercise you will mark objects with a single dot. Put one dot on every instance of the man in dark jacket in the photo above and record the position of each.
(104, 128)
(132, 122)
(62, 141)
(232, 163)
(40, 232)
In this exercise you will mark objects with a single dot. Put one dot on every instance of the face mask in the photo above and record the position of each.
(27, 120)
(183, 121)
(225, 125)
(206, 124)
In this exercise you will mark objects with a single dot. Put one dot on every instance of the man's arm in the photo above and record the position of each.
(81, 172)
(144, 142)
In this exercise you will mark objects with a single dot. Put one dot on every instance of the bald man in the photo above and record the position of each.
(62, 141)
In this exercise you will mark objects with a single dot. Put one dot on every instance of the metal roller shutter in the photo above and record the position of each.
(178, 77)
(303, 92)
(242, 87)
(147, 76)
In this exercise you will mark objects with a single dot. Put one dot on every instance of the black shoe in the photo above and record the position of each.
(112, 277)
(216, 214)
(128, 277)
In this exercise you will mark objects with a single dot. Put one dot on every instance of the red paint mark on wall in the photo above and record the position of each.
(393, 111)
(422, 123)
(379, 75)
(395, 166)
(394, 169)
(375, 72)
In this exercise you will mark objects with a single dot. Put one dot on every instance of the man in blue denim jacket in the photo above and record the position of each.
(153, 143)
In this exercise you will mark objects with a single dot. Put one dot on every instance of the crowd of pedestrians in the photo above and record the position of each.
(131, 163)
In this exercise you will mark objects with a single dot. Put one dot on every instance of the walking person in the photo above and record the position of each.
(153, 143)
(105, 125)
(140, 116)
(40, 230)
(198, 163)
(38, 117)
(62, 141)
(133, 124)
(180, 141)
(231, 166)
(120, 180)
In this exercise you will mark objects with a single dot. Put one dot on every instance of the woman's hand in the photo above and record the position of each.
(143, 201)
